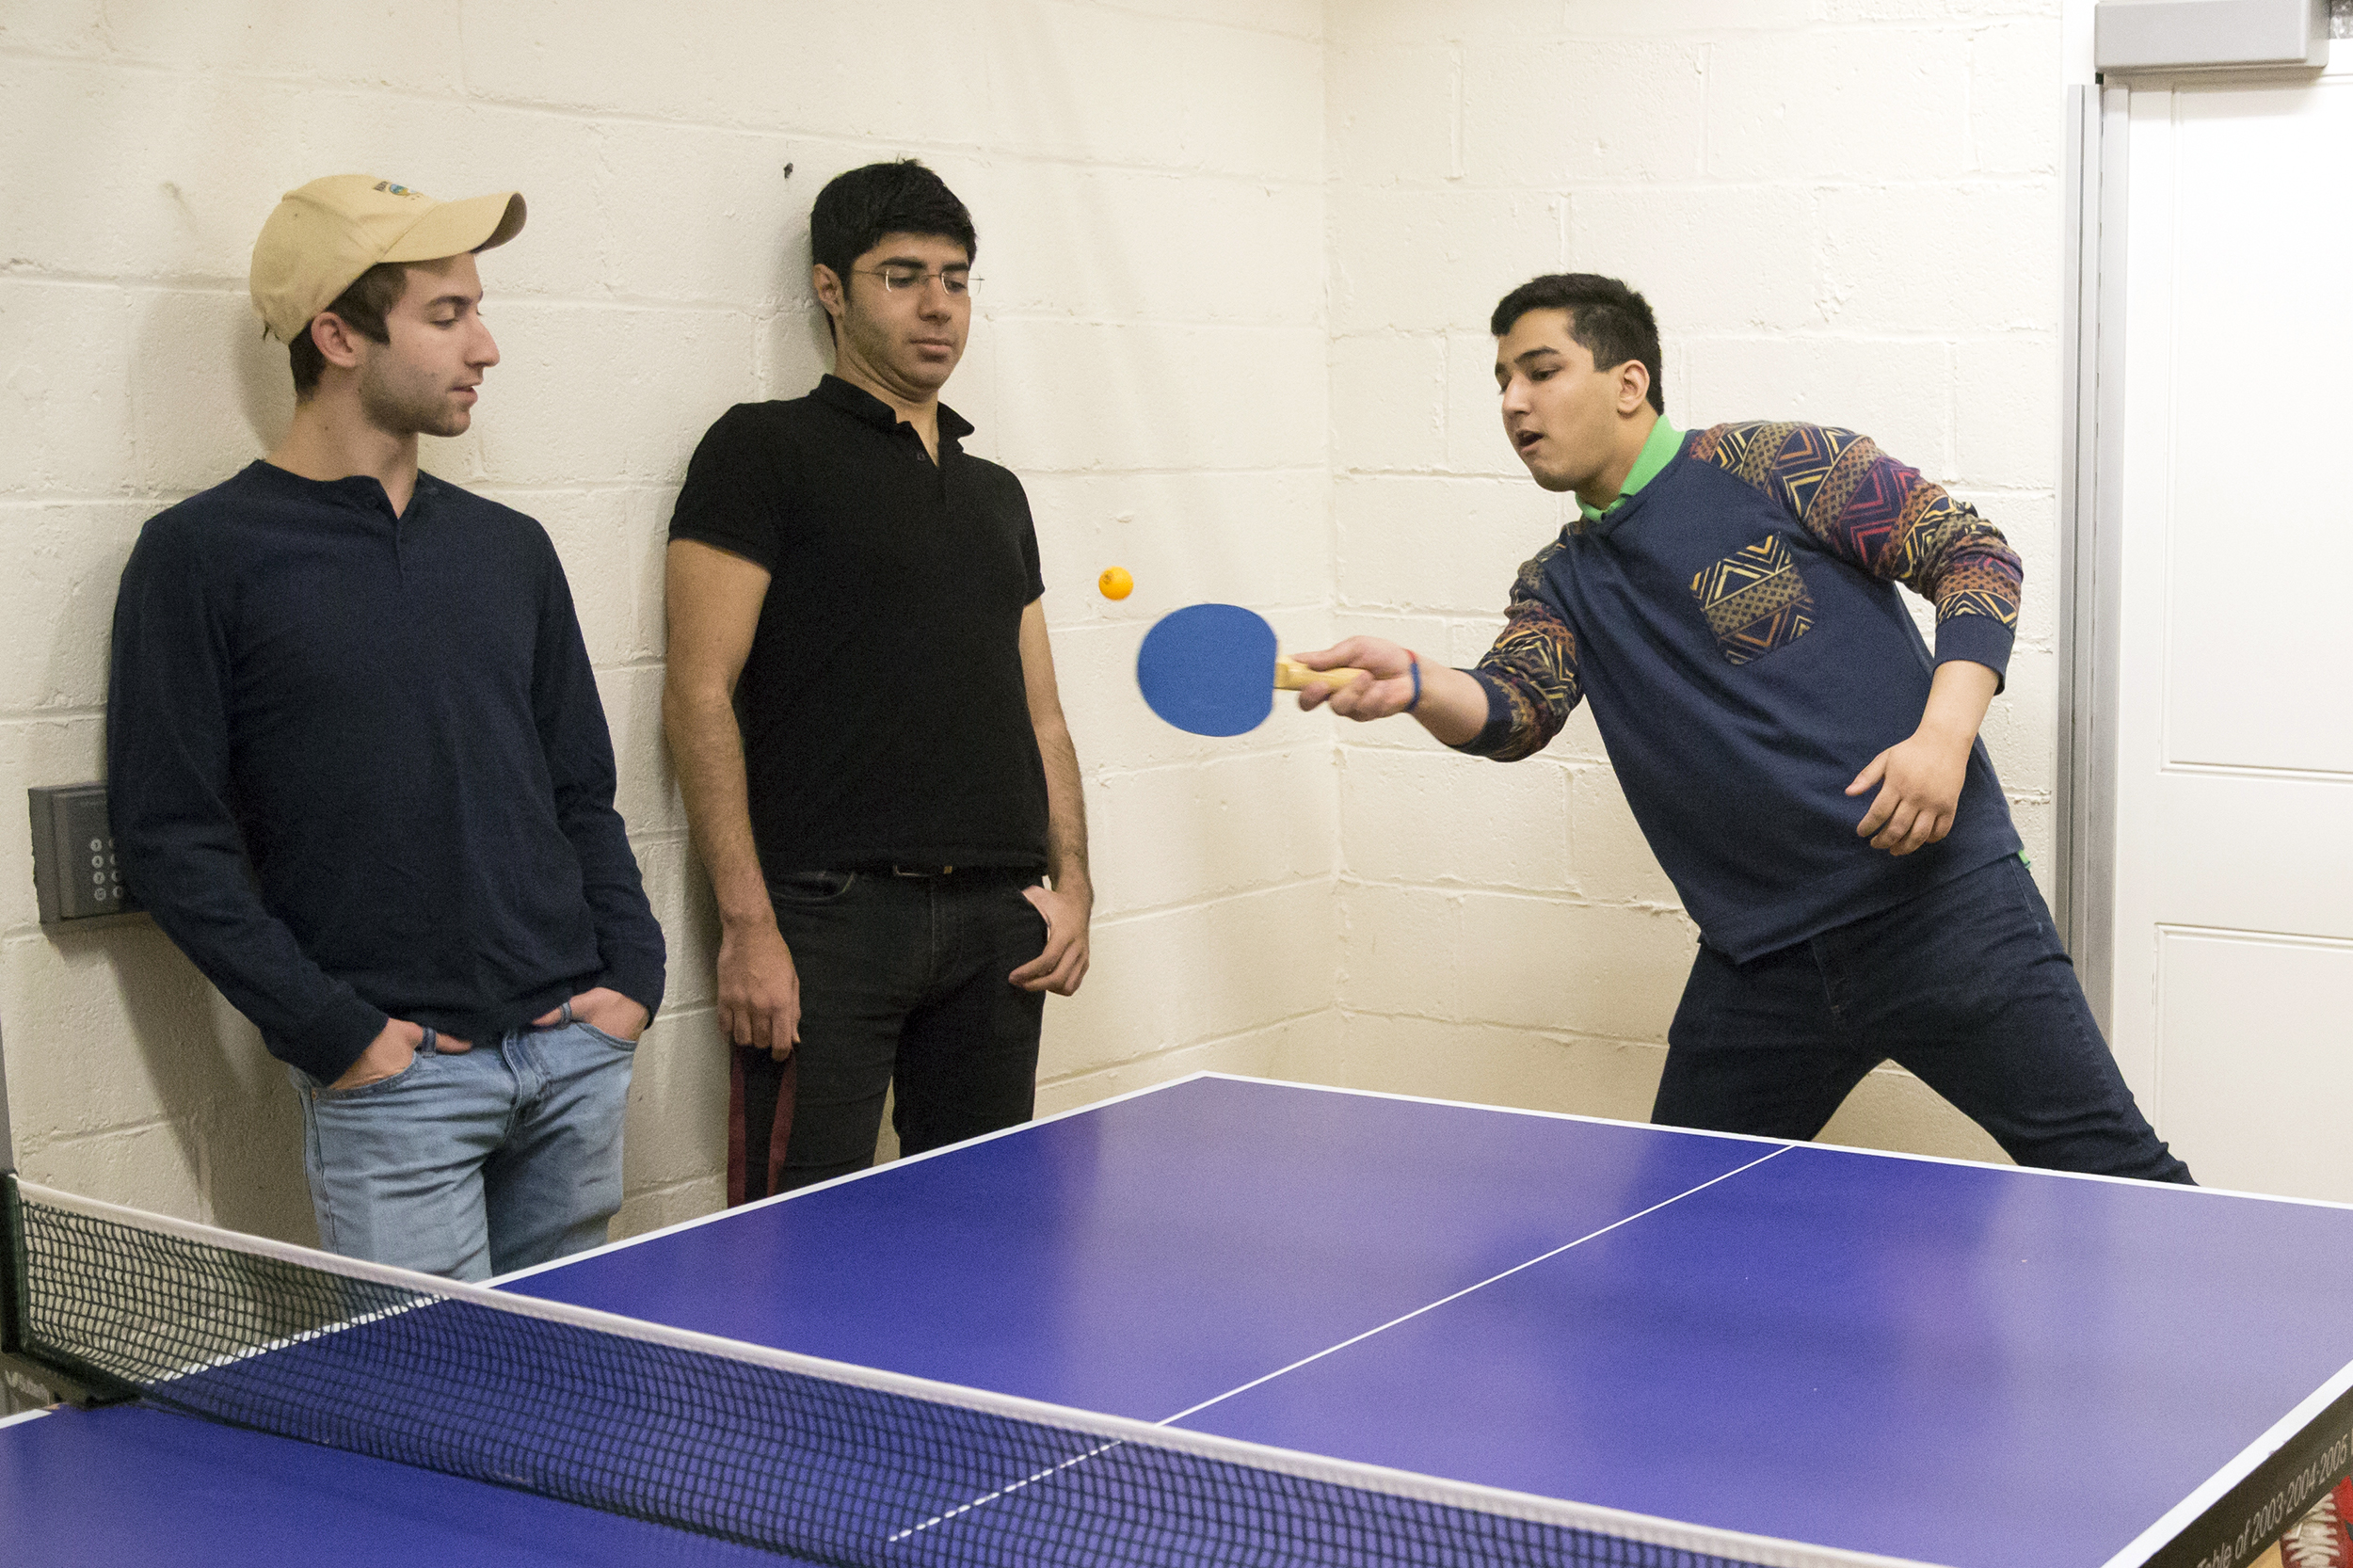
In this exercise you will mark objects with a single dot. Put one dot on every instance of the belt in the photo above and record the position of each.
(932, 868)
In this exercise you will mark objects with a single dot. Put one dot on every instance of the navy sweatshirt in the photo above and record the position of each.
(358, 766)
(1736, 626)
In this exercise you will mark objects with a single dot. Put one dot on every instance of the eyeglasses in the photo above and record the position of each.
(958, 280)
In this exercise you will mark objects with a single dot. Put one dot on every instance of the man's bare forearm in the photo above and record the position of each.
(1958, 696)
(1066, 813)
(706, 749)
(1453, 705)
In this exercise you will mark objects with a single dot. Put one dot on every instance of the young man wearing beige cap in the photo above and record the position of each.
(359, 773)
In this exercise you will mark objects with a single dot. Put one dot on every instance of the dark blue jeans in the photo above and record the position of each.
(1965, 986)
(903, 987)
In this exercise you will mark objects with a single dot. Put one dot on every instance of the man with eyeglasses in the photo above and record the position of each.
(860, 702)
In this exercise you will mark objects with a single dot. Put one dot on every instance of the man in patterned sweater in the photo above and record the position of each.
(1806, 770)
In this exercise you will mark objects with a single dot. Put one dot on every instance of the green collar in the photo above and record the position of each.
(1664, 442)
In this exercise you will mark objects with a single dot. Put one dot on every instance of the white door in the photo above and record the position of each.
(2232, 895)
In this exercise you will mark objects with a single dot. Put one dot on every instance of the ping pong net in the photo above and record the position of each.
(817, 1459)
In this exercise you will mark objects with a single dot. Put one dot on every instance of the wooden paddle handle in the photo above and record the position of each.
(1292, 676)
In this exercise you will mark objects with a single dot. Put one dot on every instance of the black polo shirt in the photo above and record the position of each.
(884, 713)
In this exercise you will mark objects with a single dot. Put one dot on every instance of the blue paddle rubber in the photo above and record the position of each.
(1208, 668)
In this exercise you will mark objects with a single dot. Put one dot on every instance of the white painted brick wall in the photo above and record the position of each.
(1159, 397)
(1846, 211)
(1238, 259)
(1148, 179)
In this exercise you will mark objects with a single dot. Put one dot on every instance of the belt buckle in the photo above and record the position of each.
(921, 870)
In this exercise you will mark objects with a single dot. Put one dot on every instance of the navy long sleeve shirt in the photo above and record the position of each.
(358, 765)
(1736, 623)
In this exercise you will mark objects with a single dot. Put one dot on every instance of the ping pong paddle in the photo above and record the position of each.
(1212, 669)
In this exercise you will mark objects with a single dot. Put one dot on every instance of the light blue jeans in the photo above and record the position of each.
(472, 1164)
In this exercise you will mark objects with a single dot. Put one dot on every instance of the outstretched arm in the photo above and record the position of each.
(1510, 707)
(1453, 705)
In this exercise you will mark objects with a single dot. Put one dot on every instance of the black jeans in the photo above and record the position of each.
(1965, 986)
(903, 986)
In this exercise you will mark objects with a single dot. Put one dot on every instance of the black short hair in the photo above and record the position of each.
(362, 308)
(855, 210)
(1610, 321)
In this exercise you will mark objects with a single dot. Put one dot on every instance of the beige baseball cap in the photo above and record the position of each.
(324, 234)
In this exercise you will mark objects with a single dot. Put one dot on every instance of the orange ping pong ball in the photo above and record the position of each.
(1116, 582)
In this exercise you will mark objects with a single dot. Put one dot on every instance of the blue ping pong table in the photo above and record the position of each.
(1901, 1358)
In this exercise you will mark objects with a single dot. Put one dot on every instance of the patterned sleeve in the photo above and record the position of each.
(1530, 674)
(1886, 518)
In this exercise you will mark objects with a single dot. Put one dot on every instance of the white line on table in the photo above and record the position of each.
(1034, 1477)
(1409, 1316)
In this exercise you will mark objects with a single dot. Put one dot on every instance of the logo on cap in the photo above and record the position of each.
(391, 189)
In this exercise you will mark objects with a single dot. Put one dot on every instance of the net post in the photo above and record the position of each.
(67, 1378)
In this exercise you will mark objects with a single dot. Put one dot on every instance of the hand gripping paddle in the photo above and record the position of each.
(1214, 669)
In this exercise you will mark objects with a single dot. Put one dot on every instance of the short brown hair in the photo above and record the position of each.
(362, 308)
(1610, 320)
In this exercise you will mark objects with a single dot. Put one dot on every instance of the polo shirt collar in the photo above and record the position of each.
(1659, 450)
(860, 404)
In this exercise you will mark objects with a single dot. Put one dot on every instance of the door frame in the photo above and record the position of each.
(2092, 456)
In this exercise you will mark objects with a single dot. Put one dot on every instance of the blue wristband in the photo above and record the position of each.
(1414, 666)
